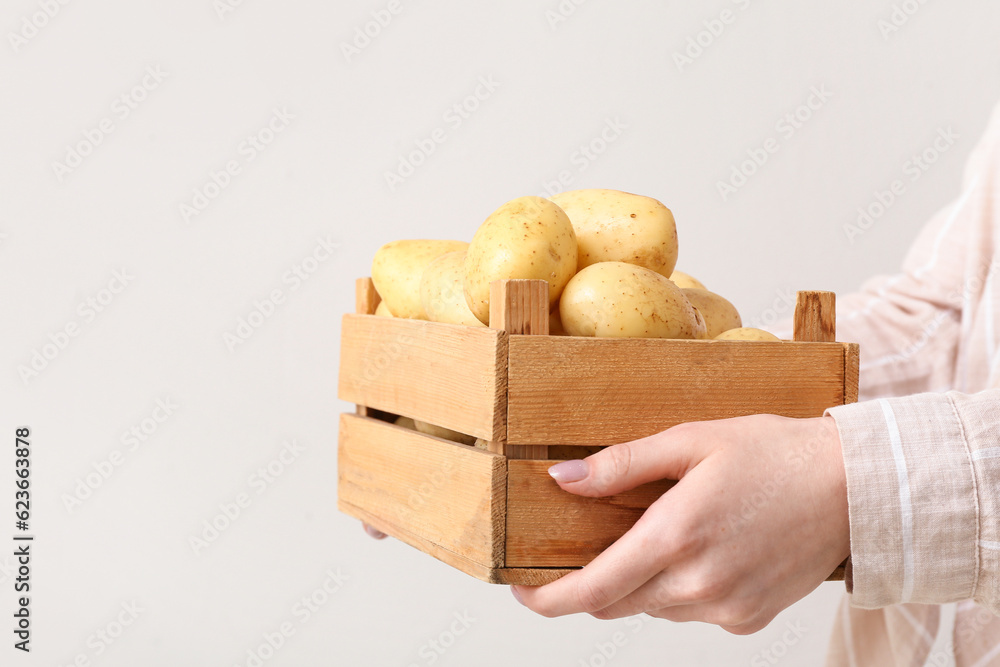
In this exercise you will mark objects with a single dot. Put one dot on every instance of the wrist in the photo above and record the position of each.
(835, 477)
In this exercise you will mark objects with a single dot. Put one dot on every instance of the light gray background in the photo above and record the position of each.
(162, 337)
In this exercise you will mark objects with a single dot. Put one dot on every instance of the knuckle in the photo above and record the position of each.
(618, 464)
(686, 429)
(736, 617)
(703, 588)
(591, 597)
(603, 615)
(742, 629)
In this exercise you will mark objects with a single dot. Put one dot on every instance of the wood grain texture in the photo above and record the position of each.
(445, 374)
(366, 298)
(529, 576)
(547, 527)
(542, 576)
(815, 317)
(527, 452)
(449, 495)
(520, 307)
(491, 575)
(852, 368)
(589, 391)
(470, 567)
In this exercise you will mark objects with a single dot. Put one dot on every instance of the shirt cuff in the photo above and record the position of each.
(911, 496)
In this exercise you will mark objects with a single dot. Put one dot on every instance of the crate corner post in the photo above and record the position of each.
(520, 307)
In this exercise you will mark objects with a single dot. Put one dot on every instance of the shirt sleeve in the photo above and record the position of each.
(922, 463)
(923, 473)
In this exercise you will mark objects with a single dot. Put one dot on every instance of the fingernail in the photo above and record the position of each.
(377, 534)
(570, 471)
(517, 596)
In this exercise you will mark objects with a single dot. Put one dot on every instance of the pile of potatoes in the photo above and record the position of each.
(608, 256)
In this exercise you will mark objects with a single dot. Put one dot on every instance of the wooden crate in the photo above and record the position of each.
(495, 513)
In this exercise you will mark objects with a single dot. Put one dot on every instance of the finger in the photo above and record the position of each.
(623, 567)
(373, 532)
(666, 455)
(710, 613)
(669, 588)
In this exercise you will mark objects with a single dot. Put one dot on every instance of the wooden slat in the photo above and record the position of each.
(545, 575)
(529, 576)
(448, 495)
(588, 391)
(366, 298)
(548, 527)
(852, 366)
(445, 374)
(527, 452)
(470, 567)
(815, 317)
(500, 575)
(520, 307)
(541, 576)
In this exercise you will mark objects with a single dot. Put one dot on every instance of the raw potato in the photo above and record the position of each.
(615, 226)
(526, 238)
(684, 280)
(382, 310)
(719, 314)
(441, 292)
(397, 268)
(621, 300)
(702, 328)
(446, 433)
(747, 333)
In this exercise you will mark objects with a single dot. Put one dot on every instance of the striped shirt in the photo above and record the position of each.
(922, 448)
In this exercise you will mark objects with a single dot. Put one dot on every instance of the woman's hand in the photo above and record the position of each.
(757, 520)
(373, 532)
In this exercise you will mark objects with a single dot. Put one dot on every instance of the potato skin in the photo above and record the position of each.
(747, 333)
(622, 300)
(382, 310)
(397, 268)
(616, 226)
(686, 280)
(526, 238)
(719, 314)
(441, 293)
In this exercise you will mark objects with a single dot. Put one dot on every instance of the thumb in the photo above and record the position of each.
(666, 455)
